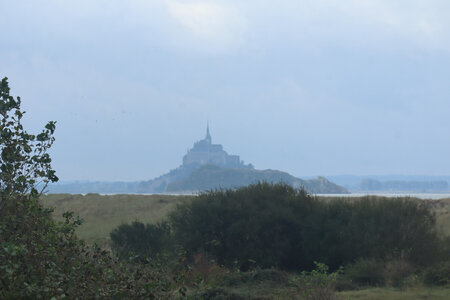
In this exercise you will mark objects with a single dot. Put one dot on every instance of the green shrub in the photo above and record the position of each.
(274, 225)
(366, 272)
(255, 276)
(376, 228)
(399, 272)
(318, 284)
(41, 259)
(395, 272)
(438, 274)
(261, 223)
(146, 241)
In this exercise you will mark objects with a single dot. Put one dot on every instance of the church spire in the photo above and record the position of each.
(208, 136)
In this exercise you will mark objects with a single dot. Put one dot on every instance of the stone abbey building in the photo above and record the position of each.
(205, 152)
(207, 166)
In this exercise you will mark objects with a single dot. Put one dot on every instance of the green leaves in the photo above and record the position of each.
(277, 226)
(146, 241)
(51, 126)
(24, 160)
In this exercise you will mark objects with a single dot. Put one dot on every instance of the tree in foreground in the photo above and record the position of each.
(24, 162)
(39, 257)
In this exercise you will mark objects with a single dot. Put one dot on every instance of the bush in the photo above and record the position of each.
(274, 225)
(318, 284)
(438, 274)
(146, 241)
(261, 223)
(396, 272)
(376, 228)
(366, 272)
(42, 259)
(399, 272)
(256, 276)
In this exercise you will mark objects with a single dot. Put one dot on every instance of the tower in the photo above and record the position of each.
(208, 136)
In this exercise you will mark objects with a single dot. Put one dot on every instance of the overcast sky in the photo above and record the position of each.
(311, 87)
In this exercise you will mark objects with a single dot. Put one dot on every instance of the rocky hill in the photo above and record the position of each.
(209, 177)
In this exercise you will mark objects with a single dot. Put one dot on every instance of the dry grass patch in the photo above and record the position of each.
(102, 214)
(396, 294)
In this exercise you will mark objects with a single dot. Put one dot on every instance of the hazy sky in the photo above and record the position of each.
(312, 87)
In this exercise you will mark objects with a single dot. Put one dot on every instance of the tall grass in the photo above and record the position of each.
(101, 214)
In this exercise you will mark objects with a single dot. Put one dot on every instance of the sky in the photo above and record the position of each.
(310, 87)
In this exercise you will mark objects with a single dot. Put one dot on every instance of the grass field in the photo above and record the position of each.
(396, 294)
(102, 214)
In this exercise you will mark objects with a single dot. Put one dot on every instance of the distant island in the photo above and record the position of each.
(393, 183)
(205, 166)
(398, 185)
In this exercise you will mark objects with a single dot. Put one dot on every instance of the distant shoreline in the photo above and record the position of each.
(424, 196)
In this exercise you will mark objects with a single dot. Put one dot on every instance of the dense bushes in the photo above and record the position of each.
(366, 271)
(147, 241)
(42, 259)
(397, 272)
(438, 275)
(375, 228)
(261, 223)
(278, 226)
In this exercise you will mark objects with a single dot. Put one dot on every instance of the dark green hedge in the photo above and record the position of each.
(147, 241)
(274, 225)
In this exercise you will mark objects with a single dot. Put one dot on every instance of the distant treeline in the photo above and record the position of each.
(353, 182)
(398, 185)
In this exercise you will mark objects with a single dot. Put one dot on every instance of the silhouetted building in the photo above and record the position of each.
(205, 152)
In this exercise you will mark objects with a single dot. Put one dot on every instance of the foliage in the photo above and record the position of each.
(259, 223)
(24, 162)
(366, 271)
(438, 274)
(400, 273)
(146, 241)
(43, 259)
(269, 284)
(395, 272)
(376, 228)
(277, 226)
(318, 284)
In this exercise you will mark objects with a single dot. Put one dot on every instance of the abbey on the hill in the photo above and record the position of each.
(207, 166)
(205, 152)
